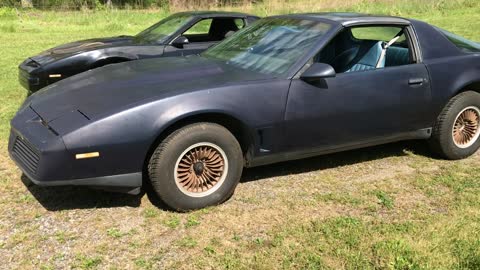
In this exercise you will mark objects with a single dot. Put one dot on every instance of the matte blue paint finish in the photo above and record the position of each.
(121, 110)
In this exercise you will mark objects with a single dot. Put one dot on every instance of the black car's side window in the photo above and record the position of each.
(211, 30)
(367, 48)
(240, 23)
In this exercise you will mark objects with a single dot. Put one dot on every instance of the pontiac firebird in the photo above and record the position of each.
(287, 87)
(182, 33)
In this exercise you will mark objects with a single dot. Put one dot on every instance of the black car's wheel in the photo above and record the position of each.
(196, 166)
(457, 129)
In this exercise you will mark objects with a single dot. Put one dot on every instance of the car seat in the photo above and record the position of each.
(369, 60)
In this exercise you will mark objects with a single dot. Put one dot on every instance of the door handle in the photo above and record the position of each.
(416, 81)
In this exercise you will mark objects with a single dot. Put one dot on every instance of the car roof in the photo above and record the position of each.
(214, 14)
(347, 19)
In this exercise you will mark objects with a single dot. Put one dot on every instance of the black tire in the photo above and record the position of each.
(442, 141)
(164, 164)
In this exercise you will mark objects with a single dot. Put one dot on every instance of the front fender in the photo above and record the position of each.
(125, 138)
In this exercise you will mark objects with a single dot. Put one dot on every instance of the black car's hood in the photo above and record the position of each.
(116, 87)
(77, 47)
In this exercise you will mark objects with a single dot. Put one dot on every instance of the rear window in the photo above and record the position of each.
(462, 43)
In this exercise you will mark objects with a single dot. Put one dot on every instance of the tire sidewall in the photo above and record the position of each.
(165, 185)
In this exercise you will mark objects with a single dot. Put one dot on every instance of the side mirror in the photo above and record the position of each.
(318, 71)
(180, 41)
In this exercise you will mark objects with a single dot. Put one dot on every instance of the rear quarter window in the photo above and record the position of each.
(380, 33)
(462, 43)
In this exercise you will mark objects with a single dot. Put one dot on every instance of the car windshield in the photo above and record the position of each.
(462, 43)
(160, 31)
(269, 46)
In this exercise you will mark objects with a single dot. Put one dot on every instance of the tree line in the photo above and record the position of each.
(101, 4)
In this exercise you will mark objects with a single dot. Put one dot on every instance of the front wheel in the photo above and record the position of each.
(196, 166)
(457, 129)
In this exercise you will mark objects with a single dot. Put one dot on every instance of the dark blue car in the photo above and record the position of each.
(287, 87)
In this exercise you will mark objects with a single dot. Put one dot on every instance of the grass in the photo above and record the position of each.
(388, 207)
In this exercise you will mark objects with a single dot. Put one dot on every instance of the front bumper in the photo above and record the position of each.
(42, 156)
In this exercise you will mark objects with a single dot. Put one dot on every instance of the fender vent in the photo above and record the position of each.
(26, 154)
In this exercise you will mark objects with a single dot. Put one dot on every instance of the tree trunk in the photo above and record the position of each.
(27, 3)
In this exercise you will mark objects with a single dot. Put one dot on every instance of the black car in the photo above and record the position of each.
(287, 87)
(179, 34)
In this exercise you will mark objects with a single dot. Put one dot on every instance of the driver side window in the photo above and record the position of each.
(212, 30)
(200, 28)
(367, 48)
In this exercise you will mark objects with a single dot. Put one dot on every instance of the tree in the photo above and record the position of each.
(27, 3)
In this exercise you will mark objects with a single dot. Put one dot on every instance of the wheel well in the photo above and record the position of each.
(110, 60)
(235, 126)
(471, 87)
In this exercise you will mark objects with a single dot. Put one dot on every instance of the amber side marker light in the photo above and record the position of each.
(55, 75)
(87, 155)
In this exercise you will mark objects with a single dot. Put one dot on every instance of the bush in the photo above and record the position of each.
(8, 13)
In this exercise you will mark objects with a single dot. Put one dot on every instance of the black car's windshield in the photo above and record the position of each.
(269, 46)
(160, 31)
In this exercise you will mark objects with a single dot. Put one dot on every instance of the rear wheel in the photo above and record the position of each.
(196, 166)
(457, 129)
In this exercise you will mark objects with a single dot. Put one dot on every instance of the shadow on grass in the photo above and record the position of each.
(65, 198)
(336, 160)
(68, 198)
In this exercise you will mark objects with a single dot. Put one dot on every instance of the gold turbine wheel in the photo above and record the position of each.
(466, 127)
(201, 169)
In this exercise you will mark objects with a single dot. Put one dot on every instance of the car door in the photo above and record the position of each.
(187, 49)
(358, 108)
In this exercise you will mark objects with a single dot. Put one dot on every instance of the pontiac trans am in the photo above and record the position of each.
(182, 33)
(287, 87)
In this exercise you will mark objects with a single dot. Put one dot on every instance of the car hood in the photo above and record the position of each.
(77, 47)
(116, 87)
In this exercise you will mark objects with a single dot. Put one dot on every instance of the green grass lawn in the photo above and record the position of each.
(388, 207)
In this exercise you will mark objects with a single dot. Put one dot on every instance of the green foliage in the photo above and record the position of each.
(192, 221)
(209, 250)
(150, 212)
(405, 7)
(187, 242)
(8, 28)
(384, 199)
(173, 222)
(338, 198)
(8, 13)
(114, 232)
(395, 254)
(85, 262)
(467, 253)
(344, 229)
